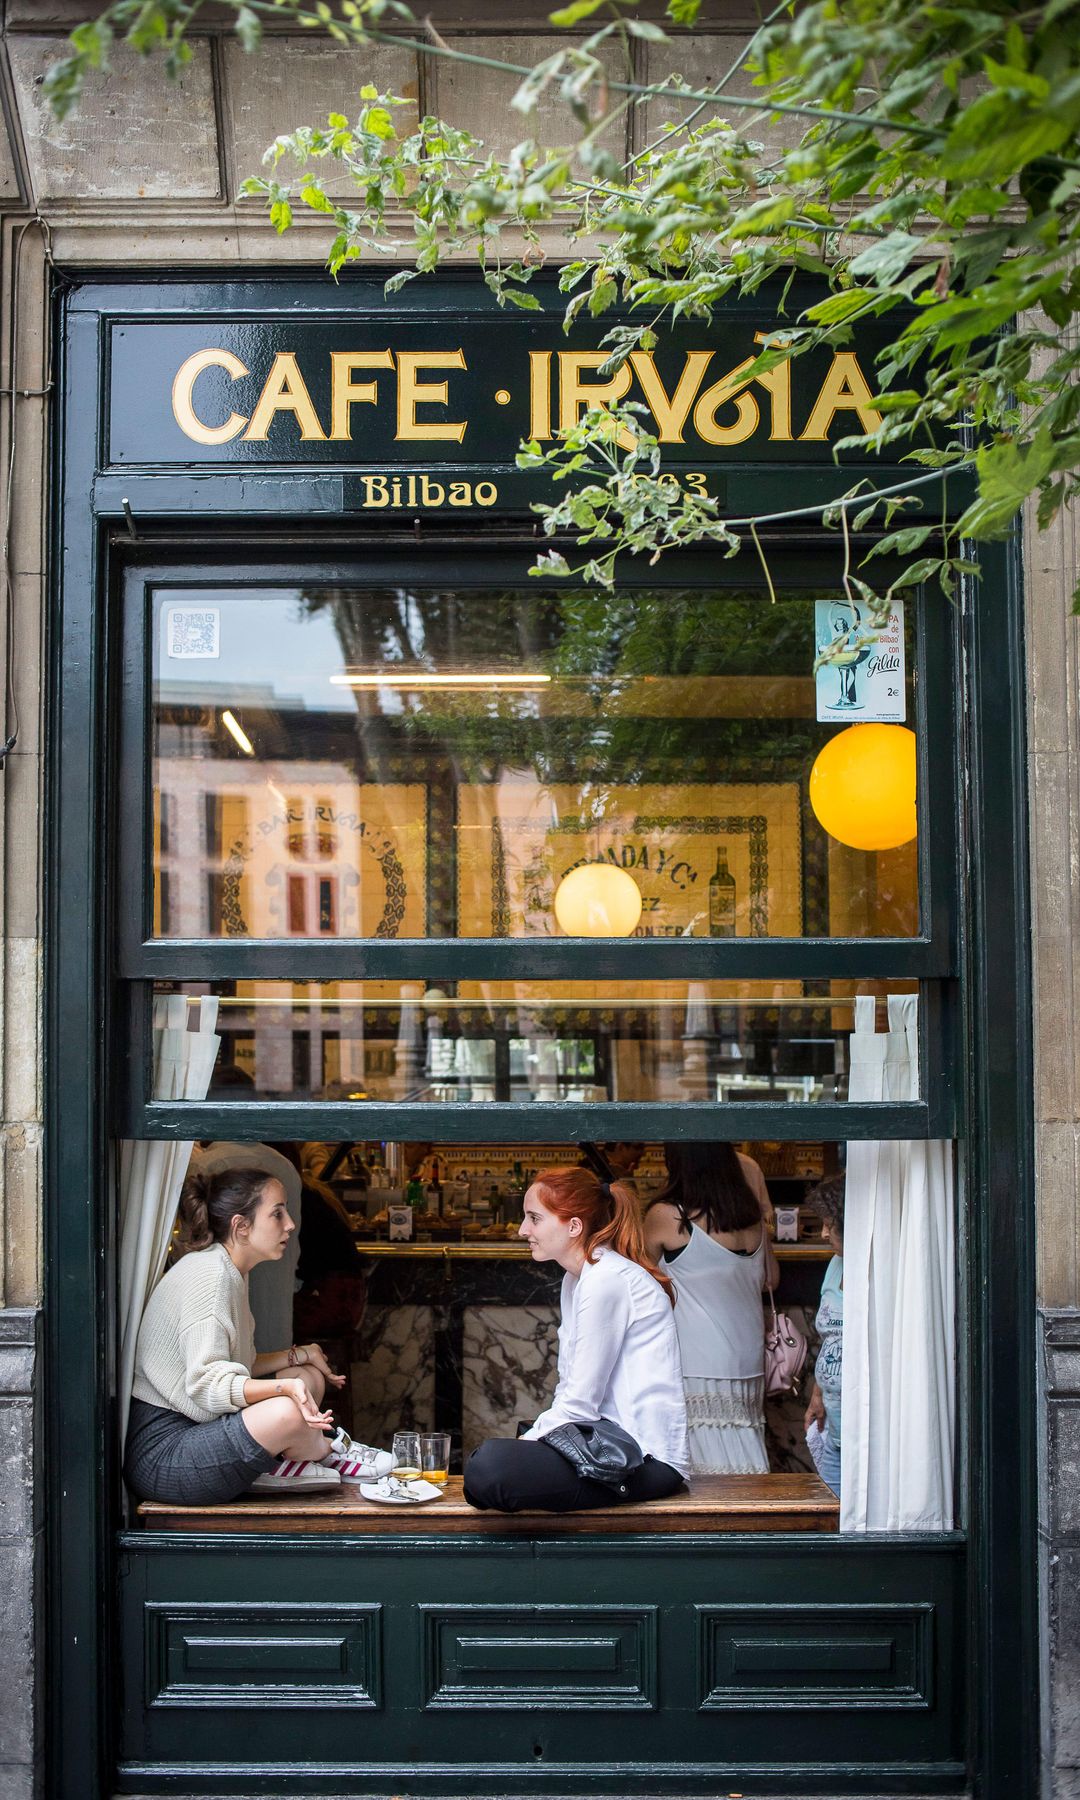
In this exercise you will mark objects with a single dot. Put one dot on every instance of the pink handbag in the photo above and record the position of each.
(785, 1352)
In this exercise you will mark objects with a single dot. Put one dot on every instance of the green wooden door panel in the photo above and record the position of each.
(481, 1664)
(526, 1658)
(215, 1654)
(833, 1655)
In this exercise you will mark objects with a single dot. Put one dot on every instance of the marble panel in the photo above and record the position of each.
(509, 1366)
(393, 1375)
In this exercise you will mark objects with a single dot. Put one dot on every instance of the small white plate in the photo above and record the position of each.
(406, 1493)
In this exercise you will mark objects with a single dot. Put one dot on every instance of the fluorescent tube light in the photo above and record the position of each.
(421, 680)
(236, 730)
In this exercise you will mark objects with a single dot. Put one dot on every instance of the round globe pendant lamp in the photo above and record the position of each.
(862, 787)
(598, 900)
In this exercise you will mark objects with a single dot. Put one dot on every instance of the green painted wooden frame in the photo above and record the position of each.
(931, 956)
(86, 1024)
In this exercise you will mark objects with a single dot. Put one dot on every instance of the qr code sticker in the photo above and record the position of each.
(193, 631)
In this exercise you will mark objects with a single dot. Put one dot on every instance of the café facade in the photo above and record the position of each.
(337, 788)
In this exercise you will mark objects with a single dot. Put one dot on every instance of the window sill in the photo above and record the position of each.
(716, 1503)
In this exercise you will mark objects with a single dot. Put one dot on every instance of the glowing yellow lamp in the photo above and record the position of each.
(598, 900)
(862, 787)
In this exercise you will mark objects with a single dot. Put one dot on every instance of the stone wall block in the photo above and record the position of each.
(1052, 904)
(1059, 1550)
(1048, 583)
(17, 1651)
(61, 13)
(22, 778)
(21, 1214)
(1058, 1242)
(298, 81)
(19, 1781)
(29, 670)
(1065, 1663)
(1062, 1355)
(26, 278)
(136, 136)
(27, 543)
(703, 62)
(17, 1501)
(1064, 1460)
(22, 1024)
(478, 99)
(10, 192)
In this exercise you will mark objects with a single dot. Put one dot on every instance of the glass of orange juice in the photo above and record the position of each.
(435, 1456)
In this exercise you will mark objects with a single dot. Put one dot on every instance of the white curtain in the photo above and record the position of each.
(898, 1382)
(152, 1173)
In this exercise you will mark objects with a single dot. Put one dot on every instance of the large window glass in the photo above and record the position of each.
(456, 1043)
(405, 762)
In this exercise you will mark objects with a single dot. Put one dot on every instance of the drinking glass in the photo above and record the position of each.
(435, 1456)
(406, 1454)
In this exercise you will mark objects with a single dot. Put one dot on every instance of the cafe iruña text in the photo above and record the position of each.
(699, 406)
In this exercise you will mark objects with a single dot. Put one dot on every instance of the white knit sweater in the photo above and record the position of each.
(196, 1342)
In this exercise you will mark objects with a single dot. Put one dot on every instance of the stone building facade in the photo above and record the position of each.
(146, 175)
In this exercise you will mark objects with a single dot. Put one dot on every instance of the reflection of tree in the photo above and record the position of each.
(601, 645)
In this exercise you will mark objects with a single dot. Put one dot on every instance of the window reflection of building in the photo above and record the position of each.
(290, 804)
(234, 860)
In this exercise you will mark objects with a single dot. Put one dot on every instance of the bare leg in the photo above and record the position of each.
(314, 1380)
(277, 1426)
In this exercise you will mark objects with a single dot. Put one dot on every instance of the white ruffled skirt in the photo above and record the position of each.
(726, 1421)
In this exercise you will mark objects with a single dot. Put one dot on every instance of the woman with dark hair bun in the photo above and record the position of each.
(618, 1355)
(209, 1418)
(709, 1225)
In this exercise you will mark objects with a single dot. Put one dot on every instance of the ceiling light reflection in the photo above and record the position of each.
(422, 679)
(236, 730)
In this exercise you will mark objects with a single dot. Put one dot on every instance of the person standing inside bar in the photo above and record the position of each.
(709, 1226)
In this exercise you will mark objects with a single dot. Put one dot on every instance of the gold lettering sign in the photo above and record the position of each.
(412, 392)
(716, 408)
(183, 403)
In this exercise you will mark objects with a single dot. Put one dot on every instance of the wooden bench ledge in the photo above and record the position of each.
(715, 1503)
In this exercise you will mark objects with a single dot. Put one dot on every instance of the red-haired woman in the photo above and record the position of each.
(618, 1354)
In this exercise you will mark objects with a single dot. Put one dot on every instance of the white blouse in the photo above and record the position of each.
(619, 1359)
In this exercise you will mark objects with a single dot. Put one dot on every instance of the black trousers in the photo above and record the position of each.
(527, 1475)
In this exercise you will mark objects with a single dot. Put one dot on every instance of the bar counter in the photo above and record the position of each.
(462, 1336)
(492, 1250)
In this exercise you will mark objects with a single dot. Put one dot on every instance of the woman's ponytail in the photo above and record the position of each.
(195, 1213)
(626, 1236)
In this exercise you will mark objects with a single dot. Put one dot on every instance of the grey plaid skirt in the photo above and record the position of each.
(168, 1457)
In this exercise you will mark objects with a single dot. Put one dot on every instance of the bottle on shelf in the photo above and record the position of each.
(433, 1192)
(722, 897)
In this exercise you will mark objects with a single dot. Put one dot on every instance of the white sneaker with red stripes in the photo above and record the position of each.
(291, 1477)
(355, 1461)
